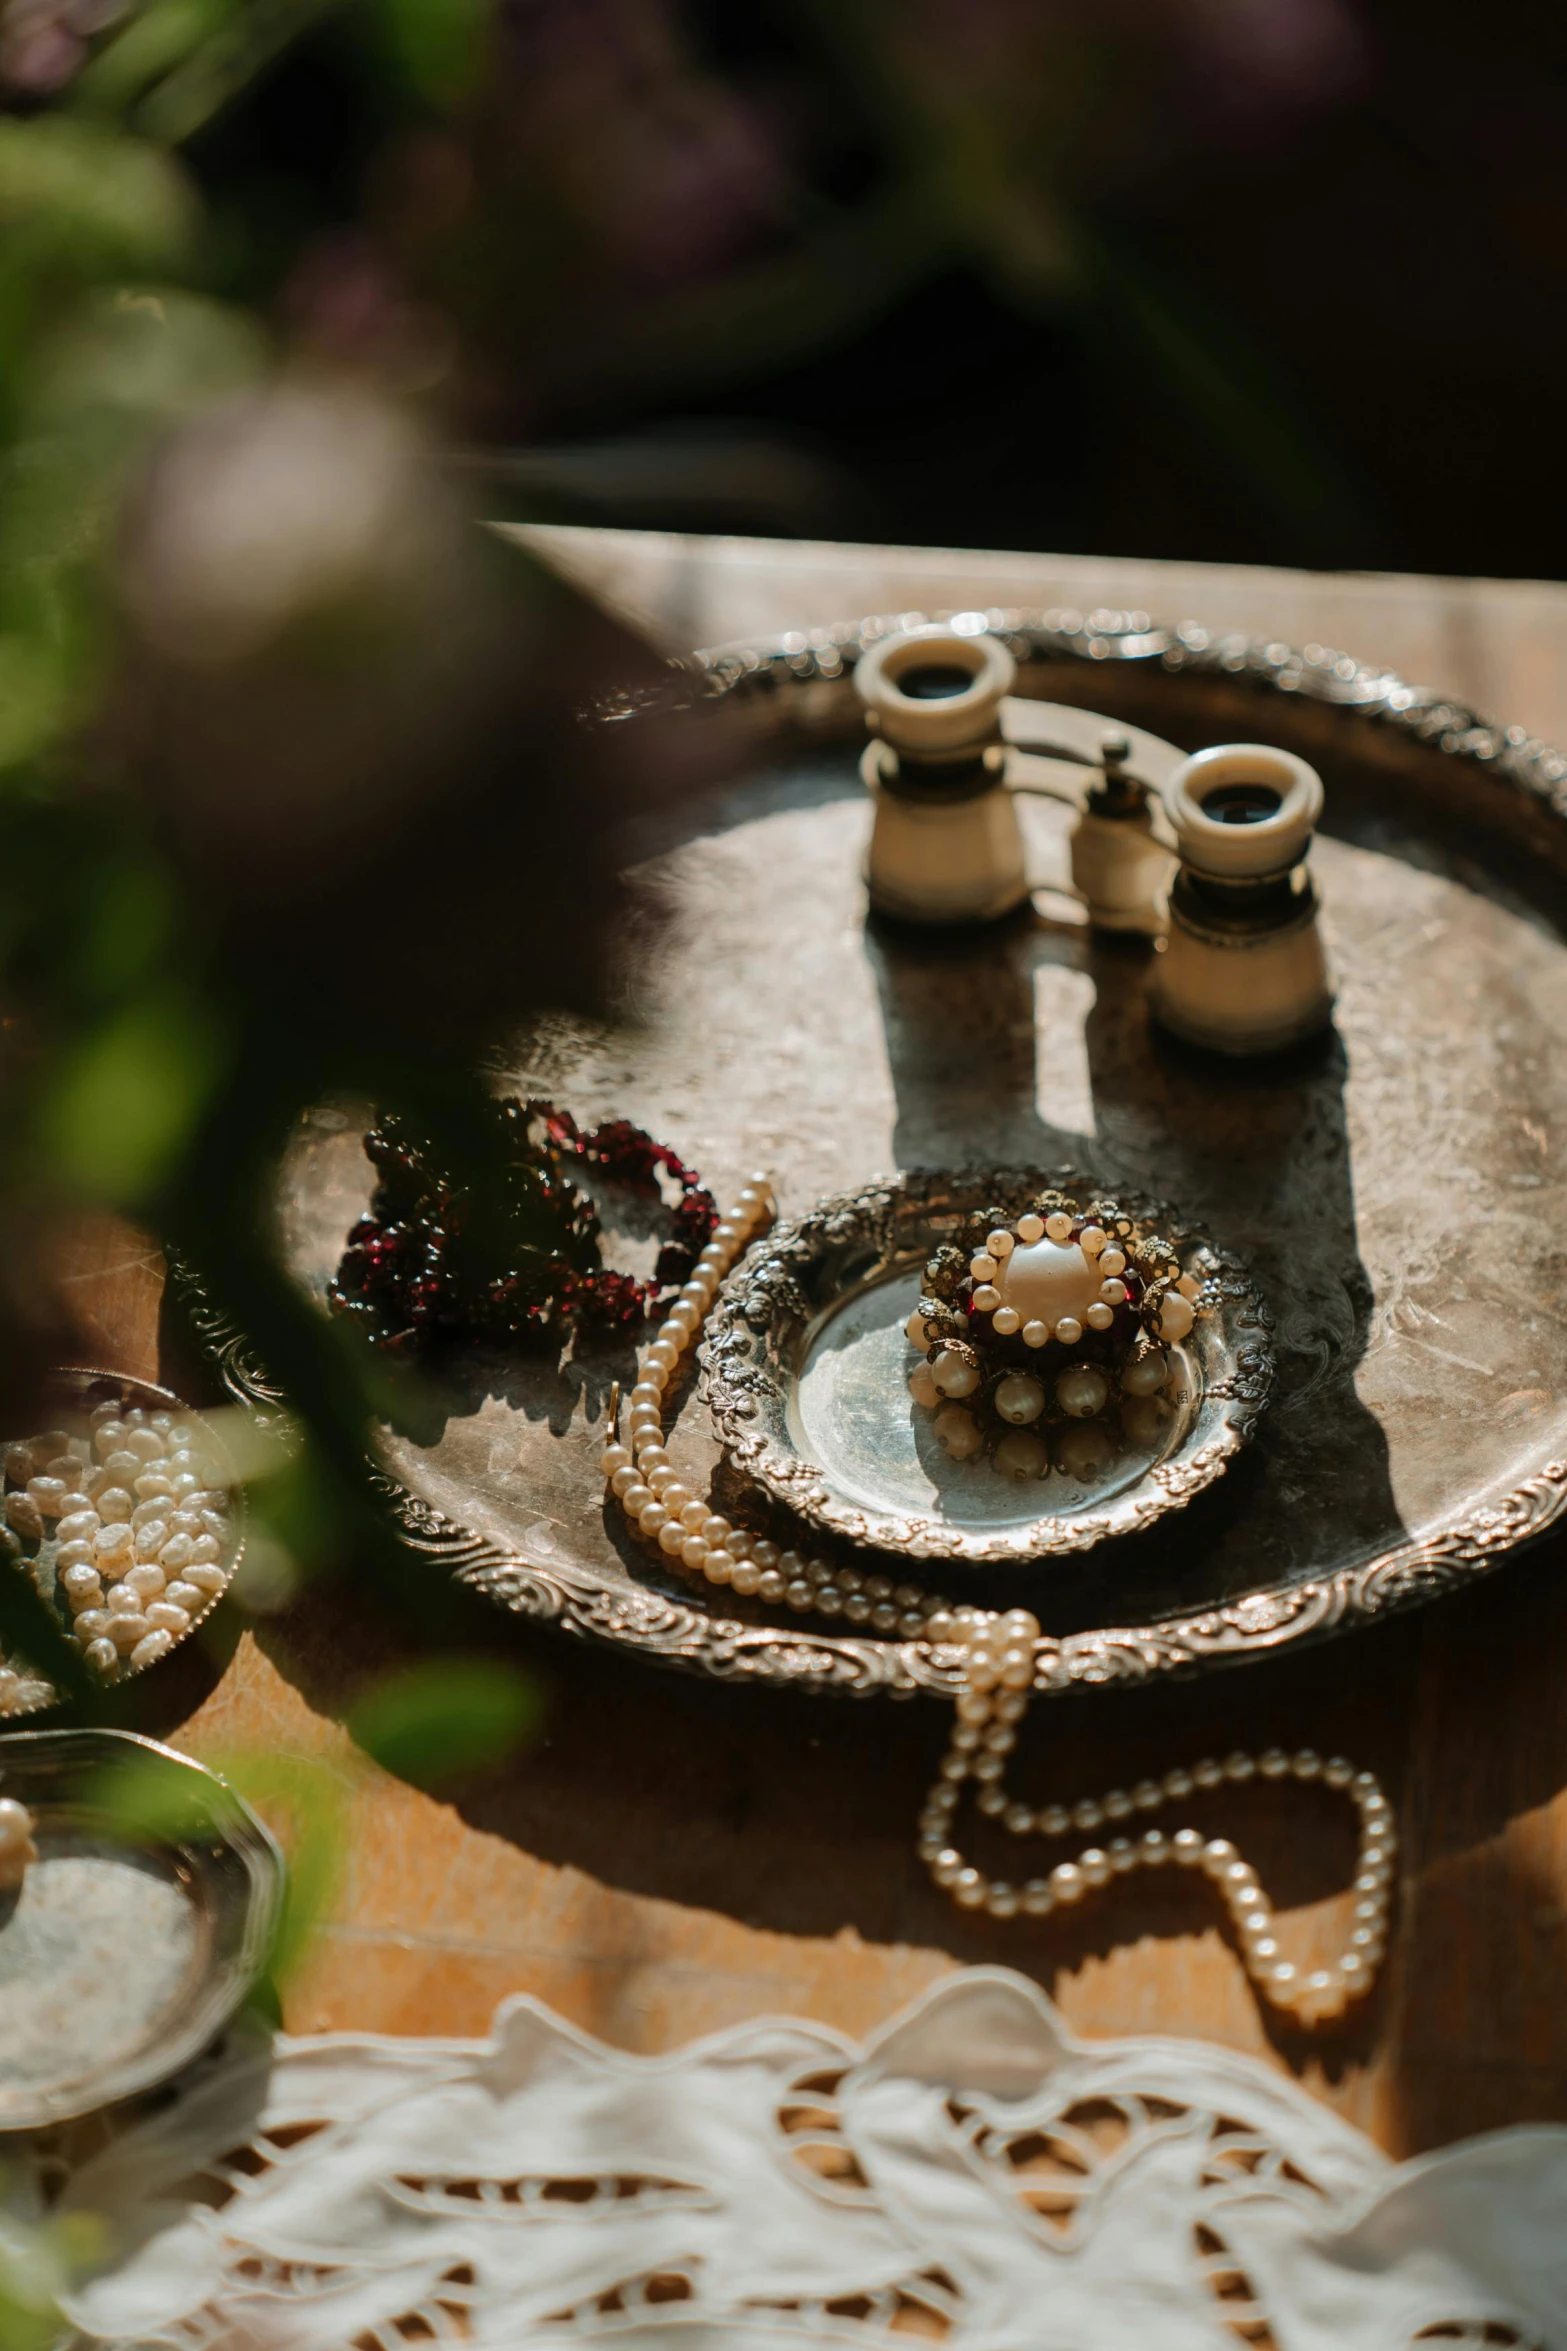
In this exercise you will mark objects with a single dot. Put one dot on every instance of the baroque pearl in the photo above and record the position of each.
(1176, 1316)
(955, 1374)
(1046, 1280)
(958, 1432)
(1022, 1455)
(1146, 1374)
(1083, 1453)
(1020, 1398)
(1081, 1390)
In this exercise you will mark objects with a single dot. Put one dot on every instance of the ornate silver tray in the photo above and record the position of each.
(805, 1360)
(1397, 1192)
(145, 1921)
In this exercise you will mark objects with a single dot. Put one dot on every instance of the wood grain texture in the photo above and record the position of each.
(670, 1855)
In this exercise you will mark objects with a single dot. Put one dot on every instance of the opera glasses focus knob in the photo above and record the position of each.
(1243, 969)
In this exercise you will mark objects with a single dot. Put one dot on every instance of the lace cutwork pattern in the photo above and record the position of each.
(970, 2176)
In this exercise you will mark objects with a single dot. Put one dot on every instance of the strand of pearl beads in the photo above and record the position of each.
(689, 1533)
(998, 1674)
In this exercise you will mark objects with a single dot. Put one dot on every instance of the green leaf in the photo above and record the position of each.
(86, 199)
(438, 43)
(433, 1723)
(125, 1103)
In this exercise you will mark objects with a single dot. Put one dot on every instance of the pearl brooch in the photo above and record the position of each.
(999, 1655)
(1094, 1297)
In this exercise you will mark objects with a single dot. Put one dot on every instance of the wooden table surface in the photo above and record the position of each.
(670, 1856)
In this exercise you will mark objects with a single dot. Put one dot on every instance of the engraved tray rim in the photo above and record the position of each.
(793, 684)
(791, 1280)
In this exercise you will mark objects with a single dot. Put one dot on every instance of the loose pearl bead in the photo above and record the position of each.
(1022, 1456)
(102, 1655)
(1020, 1398)
(1146, 1421)
(958, 1432)
(1146, 1374)
(1031, 1227)
(1081, 1391)
(954, 1374)
(1176, 1317)
(1007, 1320)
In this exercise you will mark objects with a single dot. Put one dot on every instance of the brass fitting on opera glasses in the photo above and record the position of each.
(945, 843)
(1243, 969)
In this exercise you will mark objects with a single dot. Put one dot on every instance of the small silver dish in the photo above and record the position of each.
(139, 1930)
(806, 1368)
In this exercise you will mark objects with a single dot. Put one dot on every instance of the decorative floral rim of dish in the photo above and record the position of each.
(762, 1327)
(82, 1566)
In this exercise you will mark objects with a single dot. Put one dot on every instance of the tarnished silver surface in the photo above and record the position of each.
(1396, 1192)
(143, 1924)
(805, 1361)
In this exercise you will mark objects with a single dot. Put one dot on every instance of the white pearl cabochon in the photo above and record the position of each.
(851, 1413)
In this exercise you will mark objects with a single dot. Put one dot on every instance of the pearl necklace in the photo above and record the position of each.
(1000, 1660)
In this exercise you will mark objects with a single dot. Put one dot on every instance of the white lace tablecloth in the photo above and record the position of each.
(971, 2175)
